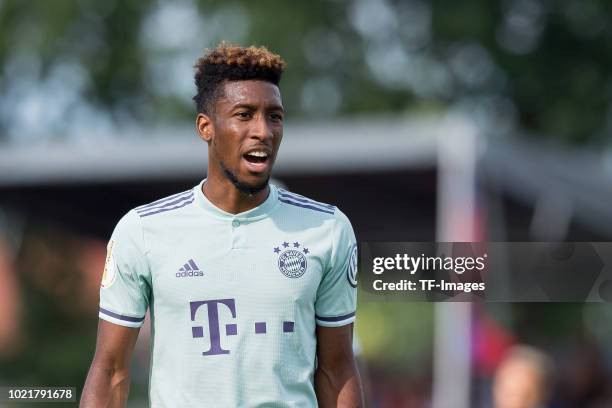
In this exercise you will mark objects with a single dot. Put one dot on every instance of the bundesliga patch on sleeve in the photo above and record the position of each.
(110, 271)
(352, 269)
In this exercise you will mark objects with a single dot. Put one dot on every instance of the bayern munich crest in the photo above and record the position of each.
(292, 259)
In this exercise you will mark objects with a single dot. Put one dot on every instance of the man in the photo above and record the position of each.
(251, 288)
(523, 379)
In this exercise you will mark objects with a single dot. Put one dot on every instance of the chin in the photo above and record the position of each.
(254, 186)
(250, 184)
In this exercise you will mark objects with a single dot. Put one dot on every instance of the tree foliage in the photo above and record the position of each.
(537, 65)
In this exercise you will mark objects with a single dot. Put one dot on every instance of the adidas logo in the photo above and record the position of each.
(189, 269)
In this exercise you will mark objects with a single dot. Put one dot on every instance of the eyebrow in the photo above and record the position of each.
(254, 107)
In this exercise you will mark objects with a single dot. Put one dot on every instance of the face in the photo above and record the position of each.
(517, 385)
(244, 133)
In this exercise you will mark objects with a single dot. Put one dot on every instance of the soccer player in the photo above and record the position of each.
(250, 288)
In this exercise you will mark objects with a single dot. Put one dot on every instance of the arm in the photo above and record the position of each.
(337, 382)
(108, 381)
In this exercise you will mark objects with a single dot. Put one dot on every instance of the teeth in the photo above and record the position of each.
(258, 154)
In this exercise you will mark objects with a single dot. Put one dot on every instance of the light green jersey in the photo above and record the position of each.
(234, 299)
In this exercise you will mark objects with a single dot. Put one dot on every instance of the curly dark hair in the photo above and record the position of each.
(233, 63)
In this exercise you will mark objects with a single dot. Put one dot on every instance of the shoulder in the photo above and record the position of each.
(315, 210)
(304, 204)
(128, 225)
(165, 205)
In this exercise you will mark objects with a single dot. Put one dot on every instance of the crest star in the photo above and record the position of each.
(276, 250)
(285, 244)
(296, 244)
(306, 250)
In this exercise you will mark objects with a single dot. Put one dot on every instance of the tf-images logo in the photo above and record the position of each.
(292, 259)
(189, 269)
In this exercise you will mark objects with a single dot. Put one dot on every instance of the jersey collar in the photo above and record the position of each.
(261, 211)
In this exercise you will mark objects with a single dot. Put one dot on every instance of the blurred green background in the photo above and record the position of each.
(81, 72)
(543, 65)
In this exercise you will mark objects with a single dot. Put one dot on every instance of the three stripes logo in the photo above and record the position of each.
(173, 202)
(189, 269)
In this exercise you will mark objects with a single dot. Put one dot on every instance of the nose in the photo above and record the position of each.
(261, 129)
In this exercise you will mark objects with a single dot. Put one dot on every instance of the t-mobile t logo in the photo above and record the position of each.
(231, 329)
(212, 307)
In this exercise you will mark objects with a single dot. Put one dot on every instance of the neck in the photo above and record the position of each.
(224, 195)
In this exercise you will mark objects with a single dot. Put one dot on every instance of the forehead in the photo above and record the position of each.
(251, 92)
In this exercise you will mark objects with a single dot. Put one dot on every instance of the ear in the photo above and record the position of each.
(204, 126)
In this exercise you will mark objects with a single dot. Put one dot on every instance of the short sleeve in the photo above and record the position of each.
(337, 293)
(126, 282)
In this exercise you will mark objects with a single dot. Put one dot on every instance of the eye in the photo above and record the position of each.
(243, 114)
(277, 117)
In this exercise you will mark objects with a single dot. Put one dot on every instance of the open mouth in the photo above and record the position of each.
(256, 157)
